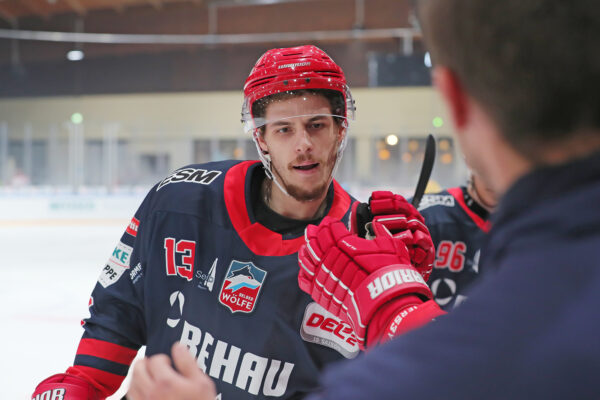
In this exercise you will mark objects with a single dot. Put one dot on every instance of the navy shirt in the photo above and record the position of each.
(531, 327)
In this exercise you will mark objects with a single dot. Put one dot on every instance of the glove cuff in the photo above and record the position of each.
(409, 318)
(377, 289)
(66, 387)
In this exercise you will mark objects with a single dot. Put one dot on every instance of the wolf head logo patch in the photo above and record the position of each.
(241, 286)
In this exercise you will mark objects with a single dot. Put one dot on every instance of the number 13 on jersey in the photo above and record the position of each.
(187, 251)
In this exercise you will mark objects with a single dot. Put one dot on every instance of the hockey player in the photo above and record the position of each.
(458, 221)
(210, 257)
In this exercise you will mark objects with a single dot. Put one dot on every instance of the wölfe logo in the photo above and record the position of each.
(241, 286)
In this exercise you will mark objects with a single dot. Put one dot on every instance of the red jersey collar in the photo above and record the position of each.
(457, 193)
(259, 239)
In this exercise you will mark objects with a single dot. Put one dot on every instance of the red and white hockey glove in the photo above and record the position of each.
(402, 220)
(367, 283)
(65, 387)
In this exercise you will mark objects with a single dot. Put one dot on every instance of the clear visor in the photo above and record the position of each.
(291, 107)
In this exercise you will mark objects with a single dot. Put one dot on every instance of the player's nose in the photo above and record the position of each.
(303, 141)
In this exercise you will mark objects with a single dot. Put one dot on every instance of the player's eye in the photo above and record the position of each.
(316, 126)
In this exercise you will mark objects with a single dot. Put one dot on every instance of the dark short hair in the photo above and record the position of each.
(335, 99)
(533, 64)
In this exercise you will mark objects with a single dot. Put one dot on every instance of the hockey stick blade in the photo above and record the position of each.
(426, 168)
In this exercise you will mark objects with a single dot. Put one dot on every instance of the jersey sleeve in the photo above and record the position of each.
(115, 330)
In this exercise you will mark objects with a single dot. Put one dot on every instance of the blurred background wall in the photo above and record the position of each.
(109, 96)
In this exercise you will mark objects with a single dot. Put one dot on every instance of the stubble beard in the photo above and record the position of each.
(300, 193)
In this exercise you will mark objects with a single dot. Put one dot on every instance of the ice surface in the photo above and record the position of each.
(48, 270)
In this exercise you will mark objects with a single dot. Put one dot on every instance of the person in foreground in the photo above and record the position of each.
(520, 80)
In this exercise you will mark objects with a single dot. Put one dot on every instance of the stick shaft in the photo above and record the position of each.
(426, 168)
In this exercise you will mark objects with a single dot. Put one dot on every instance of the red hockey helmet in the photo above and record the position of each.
(289, 69)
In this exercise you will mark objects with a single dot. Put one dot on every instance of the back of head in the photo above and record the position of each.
(534, 65)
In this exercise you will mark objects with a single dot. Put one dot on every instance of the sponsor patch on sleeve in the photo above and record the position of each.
(116, 265)
(321, 327)
(133, 226)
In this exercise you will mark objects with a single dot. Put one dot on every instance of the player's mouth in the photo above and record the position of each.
(306, 167)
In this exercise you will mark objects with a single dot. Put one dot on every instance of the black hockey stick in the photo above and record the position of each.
(426, 169)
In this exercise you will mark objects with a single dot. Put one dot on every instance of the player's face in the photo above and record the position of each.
(302, 139)
(486, 194)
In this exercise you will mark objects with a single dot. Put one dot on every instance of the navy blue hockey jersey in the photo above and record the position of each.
(458, 227)
(195, 266)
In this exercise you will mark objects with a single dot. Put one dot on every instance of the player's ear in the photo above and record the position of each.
(261, 142)
(453, 95)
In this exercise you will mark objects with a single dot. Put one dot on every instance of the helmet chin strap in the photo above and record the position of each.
(265, 158)
(340, 151)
